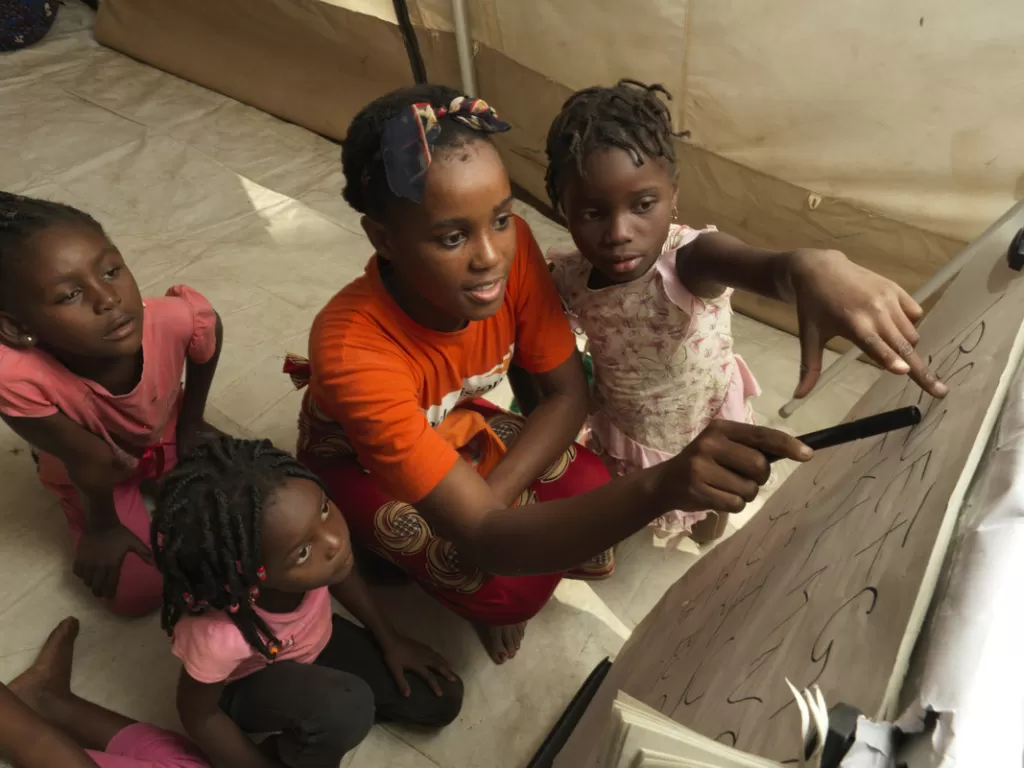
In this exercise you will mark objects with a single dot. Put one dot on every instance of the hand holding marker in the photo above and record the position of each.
(869, 426)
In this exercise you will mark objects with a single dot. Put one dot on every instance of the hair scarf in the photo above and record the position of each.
(407, 142)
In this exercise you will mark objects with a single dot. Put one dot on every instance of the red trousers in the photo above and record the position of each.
(396, 531)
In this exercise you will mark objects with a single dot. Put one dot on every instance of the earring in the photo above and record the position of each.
(30, 339)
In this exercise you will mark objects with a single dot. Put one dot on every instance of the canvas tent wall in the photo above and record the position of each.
(884, 129)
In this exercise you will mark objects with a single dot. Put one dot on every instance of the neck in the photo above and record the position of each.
(415, 305)
(118, 375)
(273, 601)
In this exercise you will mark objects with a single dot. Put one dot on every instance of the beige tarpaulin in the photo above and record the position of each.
(883, 129)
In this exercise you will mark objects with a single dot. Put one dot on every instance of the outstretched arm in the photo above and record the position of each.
(833, 297)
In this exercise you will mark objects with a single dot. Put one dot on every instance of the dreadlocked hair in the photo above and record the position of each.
(366, 183)
(630, 115)
(206, 532)
(22, 217)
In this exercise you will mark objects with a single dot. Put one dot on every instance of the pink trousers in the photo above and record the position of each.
(140, 590)
(146, 746)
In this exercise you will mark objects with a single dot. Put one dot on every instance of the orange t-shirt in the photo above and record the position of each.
(388, 382)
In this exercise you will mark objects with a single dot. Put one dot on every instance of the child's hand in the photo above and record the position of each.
(724, 467)
(401, 654)
(99, 557)
(835, 297)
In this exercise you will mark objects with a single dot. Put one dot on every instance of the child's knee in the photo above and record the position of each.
(346, 712)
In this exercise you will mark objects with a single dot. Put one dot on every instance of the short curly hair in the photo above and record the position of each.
(630, 115)
(366, 184)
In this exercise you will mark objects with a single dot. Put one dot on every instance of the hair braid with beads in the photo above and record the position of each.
(20, 218)
(630, 115)
(206, 532)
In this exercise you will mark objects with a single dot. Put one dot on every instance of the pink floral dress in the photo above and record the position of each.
(664, 365)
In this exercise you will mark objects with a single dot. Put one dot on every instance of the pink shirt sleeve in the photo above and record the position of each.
(210, 647)
(202, 324)
(22, 393)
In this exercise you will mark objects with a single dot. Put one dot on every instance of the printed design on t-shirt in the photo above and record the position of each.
(472, 387)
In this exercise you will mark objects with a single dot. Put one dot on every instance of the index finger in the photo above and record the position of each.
(924, 378)
(769, 441)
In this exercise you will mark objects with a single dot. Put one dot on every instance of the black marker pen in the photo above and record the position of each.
(869, 426)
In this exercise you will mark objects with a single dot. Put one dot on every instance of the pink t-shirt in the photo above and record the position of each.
(213, 649)
(33, 384)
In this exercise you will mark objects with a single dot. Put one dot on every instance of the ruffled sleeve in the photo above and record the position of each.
(676, 292)
(203, 342)
(22, 391)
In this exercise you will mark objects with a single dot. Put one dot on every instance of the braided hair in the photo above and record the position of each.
(366, 184)
(22, 217)
(630, 115)
(207, 527)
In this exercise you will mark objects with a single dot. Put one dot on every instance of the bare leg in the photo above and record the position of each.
(502, 643)
(46, 688)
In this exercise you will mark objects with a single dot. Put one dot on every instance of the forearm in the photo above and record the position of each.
(198, 380)
(548, 432)
(354, 595)
(27, 740)
(717, 259)
(97, 495)
(559, 535)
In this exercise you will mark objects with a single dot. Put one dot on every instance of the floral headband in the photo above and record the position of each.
(408, 140)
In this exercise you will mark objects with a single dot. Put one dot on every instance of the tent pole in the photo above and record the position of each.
(926, 291)
(464, 43)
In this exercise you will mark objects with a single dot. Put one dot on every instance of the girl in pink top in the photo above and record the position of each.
(44, 725)
(252, 549)
(653, 296)
(91, 377)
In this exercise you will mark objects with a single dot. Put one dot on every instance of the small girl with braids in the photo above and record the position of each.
(252, 548)
(91, 377)
(653, 296)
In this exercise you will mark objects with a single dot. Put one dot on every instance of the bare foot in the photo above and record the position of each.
(50, 674)
(502, 643)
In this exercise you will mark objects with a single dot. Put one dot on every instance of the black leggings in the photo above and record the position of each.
(322, 710)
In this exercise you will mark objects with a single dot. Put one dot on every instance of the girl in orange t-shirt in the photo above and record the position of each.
(484, 509)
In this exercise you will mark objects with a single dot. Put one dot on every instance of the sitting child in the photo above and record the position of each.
(653, 296)
(44, 725)
(252, 549)
(90, 376)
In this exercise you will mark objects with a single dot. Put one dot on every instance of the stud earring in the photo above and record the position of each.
(30, 339)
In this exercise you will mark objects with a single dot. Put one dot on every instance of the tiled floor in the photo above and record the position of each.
(199, 189)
